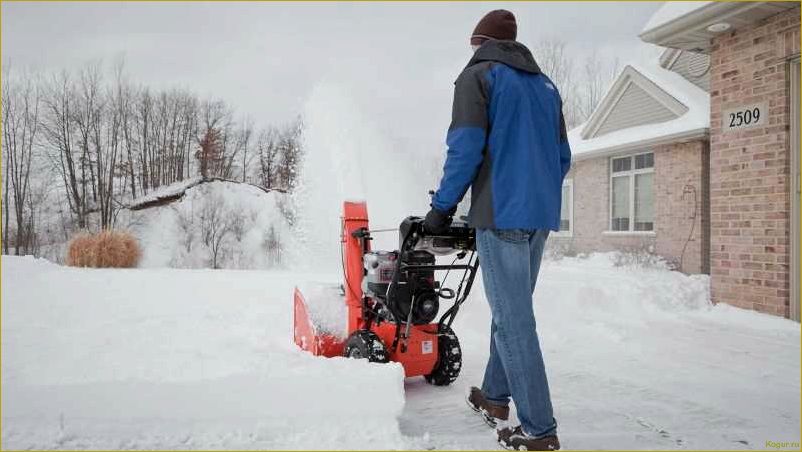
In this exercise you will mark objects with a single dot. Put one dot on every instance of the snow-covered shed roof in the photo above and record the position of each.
(679, 109)
(167, 194)
(164, 194)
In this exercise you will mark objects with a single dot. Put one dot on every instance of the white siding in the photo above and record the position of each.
(635, 107)
(695, 67)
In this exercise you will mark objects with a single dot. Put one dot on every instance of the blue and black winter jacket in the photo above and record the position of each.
(507, 139)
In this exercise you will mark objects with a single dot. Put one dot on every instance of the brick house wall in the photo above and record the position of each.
(675, 167)
(682, 196)
(750, 168)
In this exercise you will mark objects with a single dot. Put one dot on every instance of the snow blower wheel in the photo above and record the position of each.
(449, 360)
(365, 344)
(399, 304)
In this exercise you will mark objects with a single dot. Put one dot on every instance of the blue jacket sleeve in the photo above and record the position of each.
(466, 138)
(565, 147)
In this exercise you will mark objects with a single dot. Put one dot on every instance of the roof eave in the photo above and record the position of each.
(660, 34)
(689, 31)
(621, 148)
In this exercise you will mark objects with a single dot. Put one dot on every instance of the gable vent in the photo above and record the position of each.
(635, 108)
(697, 64)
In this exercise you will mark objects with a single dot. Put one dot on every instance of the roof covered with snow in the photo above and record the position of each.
(671, 11)
(165, 192)
(172, 192)
(686, 25)
(692, 122)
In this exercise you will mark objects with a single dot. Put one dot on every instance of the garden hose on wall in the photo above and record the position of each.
(688, 189)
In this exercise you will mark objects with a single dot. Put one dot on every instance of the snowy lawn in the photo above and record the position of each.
(177, 359)
(149, 358)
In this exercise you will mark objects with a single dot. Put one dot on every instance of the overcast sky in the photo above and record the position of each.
(397, 60)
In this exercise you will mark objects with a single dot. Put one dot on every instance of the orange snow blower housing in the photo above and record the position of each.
(392, 298)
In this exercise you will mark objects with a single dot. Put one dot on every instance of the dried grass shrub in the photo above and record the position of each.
(107, 249)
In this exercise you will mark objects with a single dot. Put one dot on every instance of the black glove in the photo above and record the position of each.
(437, 222)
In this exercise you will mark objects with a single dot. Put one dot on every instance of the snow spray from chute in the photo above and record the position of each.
(346, 158)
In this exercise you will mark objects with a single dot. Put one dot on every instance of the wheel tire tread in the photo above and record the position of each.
(369, 344)
(449, 353)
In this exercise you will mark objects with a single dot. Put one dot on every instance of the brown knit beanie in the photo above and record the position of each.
(498, 24)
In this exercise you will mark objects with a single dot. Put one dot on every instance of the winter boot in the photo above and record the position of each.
(492, 414)
(513, 438)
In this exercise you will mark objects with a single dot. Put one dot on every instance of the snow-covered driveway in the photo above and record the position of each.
(637, 359)
(204, 359)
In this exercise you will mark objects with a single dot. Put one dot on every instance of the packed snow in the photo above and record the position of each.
(323, 302)
(176, 359)
(196, 359)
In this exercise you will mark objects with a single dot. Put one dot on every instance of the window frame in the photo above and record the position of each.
(795, 190)
(631, 173)
(568, 182)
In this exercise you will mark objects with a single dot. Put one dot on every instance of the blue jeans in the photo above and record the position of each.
(510, 261)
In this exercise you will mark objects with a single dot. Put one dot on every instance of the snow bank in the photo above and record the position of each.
(170, 359)
(594, 298)
(326, 307)
(637, 358)
(598, 286)
(244, 225)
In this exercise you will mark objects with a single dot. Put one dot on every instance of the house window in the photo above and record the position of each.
(567, 208)
(632, 193)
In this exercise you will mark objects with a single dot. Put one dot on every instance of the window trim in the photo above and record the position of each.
(631, 173)
(795, 190)
(568, 182)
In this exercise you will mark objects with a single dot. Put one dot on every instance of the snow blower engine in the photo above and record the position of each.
(391, 299)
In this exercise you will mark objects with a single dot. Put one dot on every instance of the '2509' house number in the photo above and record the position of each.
(743, 117)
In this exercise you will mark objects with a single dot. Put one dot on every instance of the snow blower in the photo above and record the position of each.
(391, 299)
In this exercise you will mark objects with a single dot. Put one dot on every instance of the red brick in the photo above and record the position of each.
(749, 172)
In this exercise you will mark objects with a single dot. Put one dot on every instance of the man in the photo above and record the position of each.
(507, 140)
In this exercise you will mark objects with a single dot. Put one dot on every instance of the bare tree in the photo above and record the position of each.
(267, 147)
(107, 141)
(279, 155)
(6, 191)
(210, 151)
(60, 133)
(20, 110)
(215, 227)
(6, 165)
(581, 86)
(598, 74)
(271, 245)
(553, 57)
(86, 116)
(215, 134)
(142, 114)
(289, 154)
(107, 128)
(124, 106)
(243, 146)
